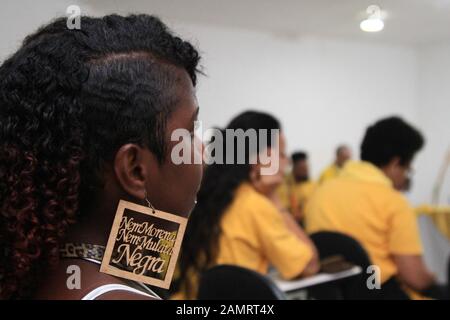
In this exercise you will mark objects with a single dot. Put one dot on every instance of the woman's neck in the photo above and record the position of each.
(93, 226)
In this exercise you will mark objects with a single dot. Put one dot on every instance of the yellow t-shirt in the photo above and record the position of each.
(294, 196)
(284, 192)
(440, 216)
(254, 236)
(329, 173)
(362, 203)
(302, 193)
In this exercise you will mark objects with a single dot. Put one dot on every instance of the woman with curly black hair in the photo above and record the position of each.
(239, 220)
(85, 120)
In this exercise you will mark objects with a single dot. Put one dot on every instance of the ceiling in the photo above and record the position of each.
(411, 22)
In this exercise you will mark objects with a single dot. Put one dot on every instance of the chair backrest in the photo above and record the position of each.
(330, 243)
(334, 243)
(228, 282)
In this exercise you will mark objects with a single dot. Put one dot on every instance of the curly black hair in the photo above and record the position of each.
(219, 184)
(389, 138)
(68, 100)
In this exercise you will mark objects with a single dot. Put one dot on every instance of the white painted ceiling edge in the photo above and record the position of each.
(407, 22)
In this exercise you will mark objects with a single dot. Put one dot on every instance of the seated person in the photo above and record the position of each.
(364, 202)
(343, 154)
(297, 187)
(238, 220)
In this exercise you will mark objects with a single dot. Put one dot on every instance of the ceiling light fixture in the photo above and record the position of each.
(373, 23)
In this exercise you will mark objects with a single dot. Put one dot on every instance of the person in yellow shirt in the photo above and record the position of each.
(343, 154)
(297, 187)
(238, 219)
(365, 203)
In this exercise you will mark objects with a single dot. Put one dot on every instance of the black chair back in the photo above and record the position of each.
(330, 243)
(228, 282)
(334, 243)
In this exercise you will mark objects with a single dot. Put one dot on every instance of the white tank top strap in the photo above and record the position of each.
(97, 292)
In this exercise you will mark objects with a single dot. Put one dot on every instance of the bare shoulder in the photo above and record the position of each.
(73, 279)
(124, 295)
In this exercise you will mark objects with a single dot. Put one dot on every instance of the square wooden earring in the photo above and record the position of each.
(144, 244)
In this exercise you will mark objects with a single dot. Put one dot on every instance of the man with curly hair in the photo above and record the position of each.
(365, 202)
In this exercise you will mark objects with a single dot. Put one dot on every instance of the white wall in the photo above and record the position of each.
(20, 18)
(434, 115)
(324, 91)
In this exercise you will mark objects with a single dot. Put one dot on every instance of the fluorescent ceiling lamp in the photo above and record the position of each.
(373, 23)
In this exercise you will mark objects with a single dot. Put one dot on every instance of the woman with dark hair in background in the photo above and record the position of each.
(85, 121)
(238, 219)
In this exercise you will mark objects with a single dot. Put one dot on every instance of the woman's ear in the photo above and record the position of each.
(131, 169)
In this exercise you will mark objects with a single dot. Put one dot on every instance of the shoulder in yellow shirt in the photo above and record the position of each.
(294, 196)
(362, 203)
(329, 173)
(254, 236)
